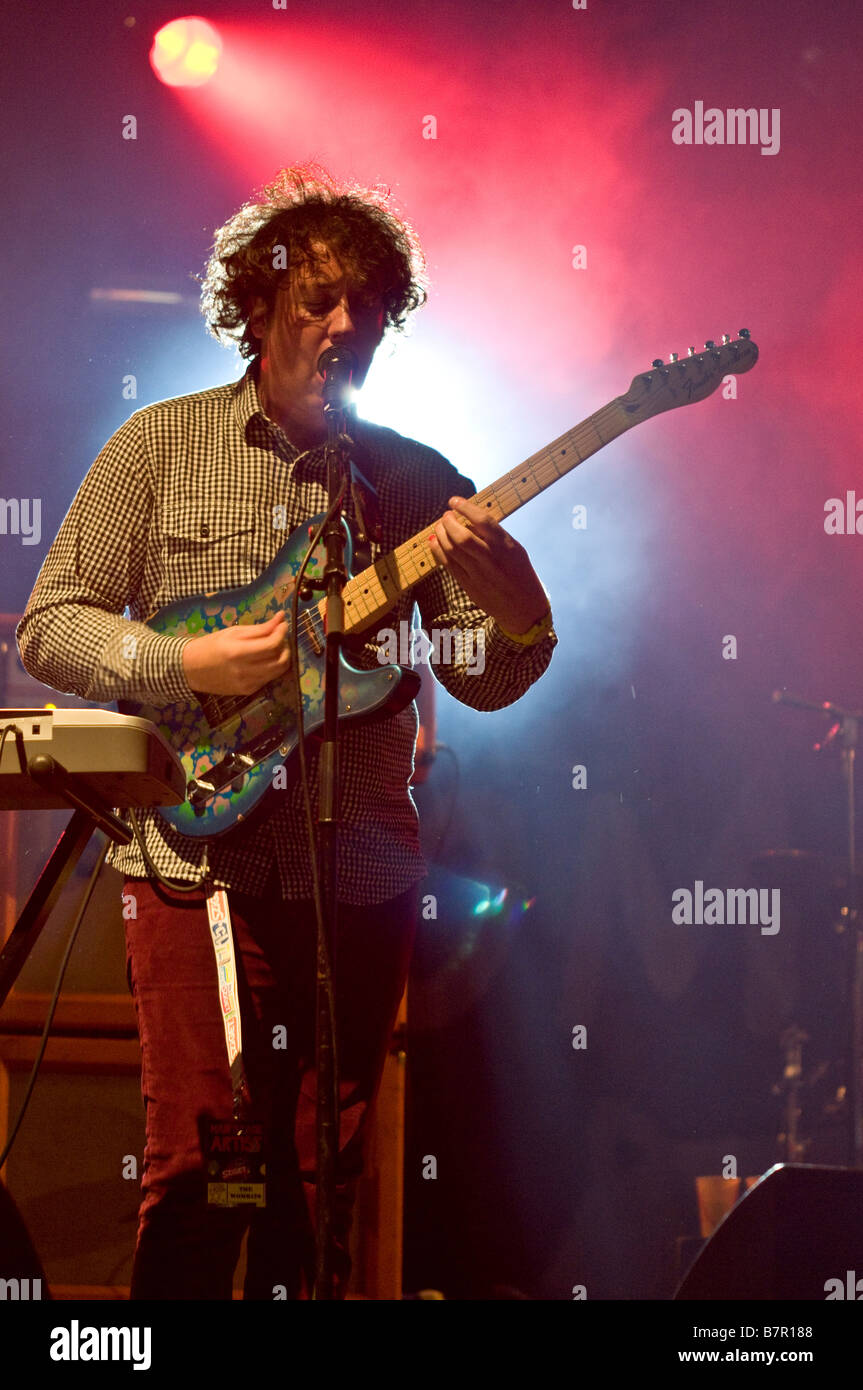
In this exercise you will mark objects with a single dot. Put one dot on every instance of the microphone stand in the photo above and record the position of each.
(844, 730)
(339, 365)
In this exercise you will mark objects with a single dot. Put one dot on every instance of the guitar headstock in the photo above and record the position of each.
(670, 384)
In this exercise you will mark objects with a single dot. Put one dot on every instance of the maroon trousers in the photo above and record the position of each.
(185, 1249)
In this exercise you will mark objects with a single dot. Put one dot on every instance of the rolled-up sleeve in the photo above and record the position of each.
(75, 635)
(473, 658)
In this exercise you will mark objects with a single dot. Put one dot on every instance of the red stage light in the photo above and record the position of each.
(186, 52)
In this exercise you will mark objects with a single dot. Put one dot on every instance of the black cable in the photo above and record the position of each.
(19, 744)
(172, 885)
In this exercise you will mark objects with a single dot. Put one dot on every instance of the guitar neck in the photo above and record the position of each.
(373, 592)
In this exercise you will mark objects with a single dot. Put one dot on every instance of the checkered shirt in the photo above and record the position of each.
(181, 502)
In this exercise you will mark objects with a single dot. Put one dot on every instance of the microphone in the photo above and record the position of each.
(337, 367)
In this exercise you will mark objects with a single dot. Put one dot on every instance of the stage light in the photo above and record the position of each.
(490, 906)
(186, 52)
(140, 296)
(419, 388)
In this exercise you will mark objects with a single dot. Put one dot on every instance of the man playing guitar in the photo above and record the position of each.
(196, 495)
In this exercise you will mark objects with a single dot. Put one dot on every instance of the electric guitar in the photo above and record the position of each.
(231, 746)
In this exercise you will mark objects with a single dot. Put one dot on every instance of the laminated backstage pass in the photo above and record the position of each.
(234, 1149)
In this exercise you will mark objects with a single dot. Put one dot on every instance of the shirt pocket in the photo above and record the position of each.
(207, 548)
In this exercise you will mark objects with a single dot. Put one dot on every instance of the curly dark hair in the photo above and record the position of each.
(302, 207)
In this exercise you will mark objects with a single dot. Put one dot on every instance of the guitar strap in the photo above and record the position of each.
(366, 510)
(234, 1148)
(222, 937)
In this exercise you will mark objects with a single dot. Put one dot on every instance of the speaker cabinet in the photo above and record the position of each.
(797, 1234)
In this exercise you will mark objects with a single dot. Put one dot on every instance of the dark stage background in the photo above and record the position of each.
(513, 134)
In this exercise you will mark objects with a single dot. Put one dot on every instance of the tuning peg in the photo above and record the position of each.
(744, 333)
(672, 357)
(710, 345)
(658, 362)
(726, 337)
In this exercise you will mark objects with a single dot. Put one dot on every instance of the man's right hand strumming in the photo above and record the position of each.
(238, 660)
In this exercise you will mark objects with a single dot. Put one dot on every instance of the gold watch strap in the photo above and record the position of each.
(534, 634)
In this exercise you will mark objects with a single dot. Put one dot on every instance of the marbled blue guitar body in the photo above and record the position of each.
(231, 746)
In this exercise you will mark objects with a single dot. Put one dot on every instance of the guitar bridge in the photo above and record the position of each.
(200, 790)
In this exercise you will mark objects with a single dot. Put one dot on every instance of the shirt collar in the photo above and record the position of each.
(255, 425)
(249, 414)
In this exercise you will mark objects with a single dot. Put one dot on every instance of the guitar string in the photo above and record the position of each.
(540, 468)
(606, 424)
(313, 633)
(235, 704)
(415, 550)
(542, 471)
